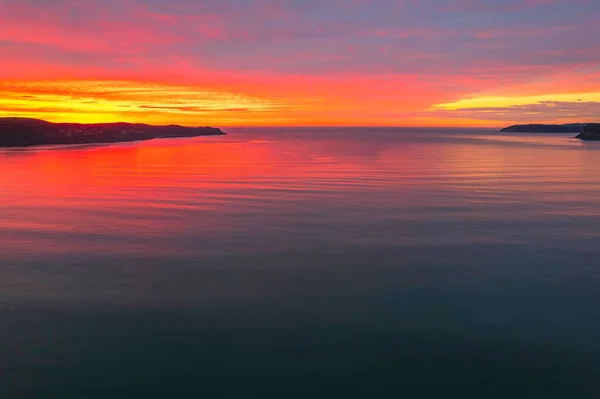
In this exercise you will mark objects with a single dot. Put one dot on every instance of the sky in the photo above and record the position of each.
(301, 62)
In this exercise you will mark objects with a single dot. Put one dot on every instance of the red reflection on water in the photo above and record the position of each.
(131, 189)
(139, 196)
(163, 188)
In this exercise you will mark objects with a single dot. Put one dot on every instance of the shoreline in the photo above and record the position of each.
(25, 132)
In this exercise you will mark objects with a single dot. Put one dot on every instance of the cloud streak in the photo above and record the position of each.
(560, 111)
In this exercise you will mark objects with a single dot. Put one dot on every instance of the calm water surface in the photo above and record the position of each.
(302, 263)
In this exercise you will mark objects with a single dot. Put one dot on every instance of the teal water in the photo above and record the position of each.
(302, 263)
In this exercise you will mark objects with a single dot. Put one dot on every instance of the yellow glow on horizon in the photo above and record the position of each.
(112, 101)
(508, 101)
(100, 101)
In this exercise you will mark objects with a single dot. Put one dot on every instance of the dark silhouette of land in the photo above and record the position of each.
(21, 132)
(541, 128)
(590, 132)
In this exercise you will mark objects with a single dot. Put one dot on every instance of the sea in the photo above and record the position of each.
(302, 263)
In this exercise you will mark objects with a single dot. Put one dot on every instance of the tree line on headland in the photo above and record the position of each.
(585, 131)
(21, 132)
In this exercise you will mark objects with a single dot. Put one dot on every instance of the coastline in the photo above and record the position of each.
(25, 132)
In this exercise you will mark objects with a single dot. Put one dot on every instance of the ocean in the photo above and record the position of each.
(302, 263)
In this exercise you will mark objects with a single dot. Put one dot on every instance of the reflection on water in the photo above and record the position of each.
(331, 261)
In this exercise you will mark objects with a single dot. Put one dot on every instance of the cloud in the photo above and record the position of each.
(112, 100)
(543, 111)
(303, 37)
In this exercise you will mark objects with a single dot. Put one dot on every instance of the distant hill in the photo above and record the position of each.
(20, 132)
(541, 128)
(590, 132)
